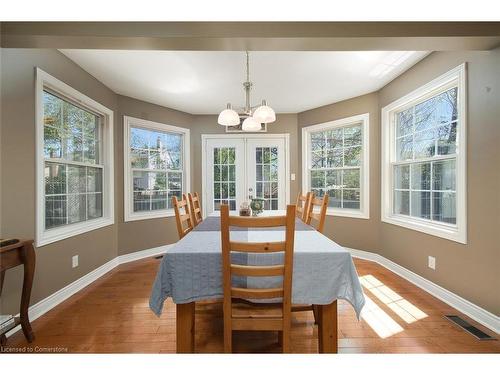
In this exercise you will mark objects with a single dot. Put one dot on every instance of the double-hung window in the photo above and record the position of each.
(335, 161)
(74, 162)
(156, 168)
(423, 172)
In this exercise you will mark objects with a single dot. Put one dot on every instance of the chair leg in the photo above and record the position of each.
(228, 345)
(280, 338)
(228, 326)
(285, 341)
(228, 338)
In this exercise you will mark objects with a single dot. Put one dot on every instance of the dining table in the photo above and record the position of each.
(191, 270)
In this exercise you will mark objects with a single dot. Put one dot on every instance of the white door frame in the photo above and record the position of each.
(206, 137)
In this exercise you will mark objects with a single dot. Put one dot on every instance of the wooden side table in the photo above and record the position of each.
(13, 255)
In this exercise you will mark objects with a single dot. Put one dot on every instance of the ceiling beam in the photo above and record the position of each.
(263, 36)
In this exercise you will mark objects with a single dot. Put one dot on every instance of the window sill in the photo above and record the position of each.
(449, 232)
(355, 214)
(57, 234)
(149, 215)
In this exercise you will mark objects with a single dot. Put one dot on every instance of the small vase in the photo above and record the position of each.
(257, 206)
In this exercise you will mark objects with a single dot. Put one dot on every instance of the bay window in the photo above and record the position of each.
(423, 171)
(74, 161)
(335, 162)
(156, 168)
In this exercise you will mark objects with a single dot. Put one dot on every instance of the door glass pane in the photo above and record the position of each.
(266, 177)
(224, 177)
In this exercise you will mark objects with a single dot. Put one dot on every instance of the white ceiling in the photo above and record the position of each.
(203, 82)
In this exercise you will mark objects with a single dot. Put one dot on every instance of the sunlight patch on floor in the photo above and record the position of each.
(404, 309)
(379, 320)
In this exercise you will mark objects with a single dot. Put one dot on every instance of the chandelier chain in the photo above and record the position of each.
(248, 66)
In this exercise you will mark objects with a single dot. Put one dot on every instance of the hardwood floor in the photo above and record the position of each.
(112, 316)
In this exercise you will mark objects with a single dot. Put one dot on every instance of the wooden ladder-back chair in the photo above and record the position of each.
(318, 216)
(195, 207)
(183, 219)
(253, 317)
(303, 202)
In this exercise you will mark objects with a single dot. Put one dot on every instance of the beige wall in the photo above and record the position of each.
(362, 234)
(143, 234)
(472, 270)
(53, 268)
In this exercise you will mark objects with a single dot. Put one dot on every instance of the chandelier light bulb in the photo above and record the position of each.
(264, 114)
(228, 117)
(251, 125)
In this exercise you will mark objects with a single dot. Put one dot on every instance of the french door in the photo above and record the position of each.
(238, 167)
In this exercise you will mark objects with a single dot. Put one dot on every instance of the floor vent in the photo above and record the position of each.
(158, 256)
(474, 331)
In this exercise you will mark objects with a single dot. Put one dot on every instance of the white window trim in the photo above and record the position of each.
(43, 236)
(128, 121)
(364, 211)
(458, 232)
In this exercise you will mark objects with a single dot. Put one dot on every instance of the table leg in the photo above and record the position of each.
(29, 270)
(327, 328)
(185, 327)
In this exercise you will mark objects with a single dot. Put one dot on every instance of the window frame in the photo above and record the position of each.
(46, 236)
(128, 122)
(455, 232)
(364, 120)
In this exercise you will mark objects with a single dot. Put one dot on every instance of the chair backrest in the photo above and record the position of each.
(182, 216)
(195, 207)
(302, 206)
(285, 269)
(319, 214)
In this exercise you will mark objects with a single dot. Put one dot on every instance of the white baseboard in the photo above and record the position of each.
(466, 307)
(47, 304)
(142, 254)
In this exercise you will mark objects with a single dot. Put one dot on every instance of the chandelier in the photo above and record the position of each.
(253, 116)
